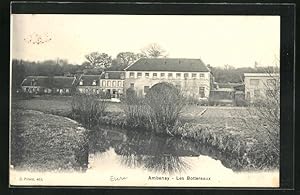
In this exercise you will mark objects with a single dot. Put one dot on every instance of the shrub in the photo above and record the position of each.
(87, 109)
(166, 103)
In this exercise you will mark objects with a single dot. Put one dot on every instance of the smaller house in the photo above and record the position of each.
(59, 85)
(89, 84)
(261, 85)
(112, 83)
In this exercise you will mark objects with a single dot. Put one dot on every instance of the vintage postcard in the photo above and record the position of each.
(145, 100)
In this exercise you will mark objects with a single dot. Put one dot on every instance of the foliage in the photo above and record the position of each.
(153, 50)
(158, 111)
(166, 103)
(99, 60)
(230, 74)
(87, 109)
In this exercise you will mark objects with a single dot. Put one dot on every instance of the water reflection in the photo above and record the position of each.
(160, 154)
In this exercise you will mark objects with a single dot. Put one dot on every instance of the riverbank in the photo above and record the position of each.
(223, 128)
(42, 141)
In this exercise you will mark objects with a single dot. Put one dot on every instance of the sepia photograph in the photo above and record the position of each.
(145, 100)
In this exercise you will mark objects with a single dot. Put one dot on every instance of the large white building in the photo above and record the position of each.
(261, 85)
(190, 75)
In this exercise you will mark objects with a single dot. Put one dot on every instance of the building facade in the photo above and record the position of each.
(59, 85)
(190, 75)
(261, 85)
(89, 84)
(112, 83)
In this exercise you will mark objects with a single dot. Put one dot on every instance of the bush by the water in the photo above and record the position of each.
(87, 109)
(159, 111)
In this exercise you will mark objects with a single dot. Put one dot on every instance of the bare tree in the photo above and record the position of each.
(153, 50)
(124, 59)
(99, 60)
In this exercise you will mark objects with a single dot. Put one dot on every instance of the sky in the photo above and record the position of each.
(239, 41)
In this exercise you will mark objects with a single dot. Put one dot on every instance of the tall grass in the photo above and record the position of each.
(87, 109)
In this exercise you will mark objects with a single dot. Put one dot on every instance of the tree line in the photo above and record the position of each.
(97, 62)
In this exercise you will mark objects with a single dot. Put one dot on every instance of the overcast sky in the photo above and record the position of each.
(217, 40)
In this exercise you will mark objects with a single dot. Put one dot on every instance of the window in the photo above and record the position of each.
(248, 95)
(146, 74)
(139, 74)
(186, 75)
(86, 90)
(154, 75)
(256, 93)
(131, 74)
(81, 82)
(271, 82)
(201, 92)
(178, 75)
(114, 83)
(146, 89)
(67, 90)
(194, 75)
(254, 82)
(97, 91)
(131, 85)
(270, 93)
(170, 75)
(119, 84)
(94, 82)
(108, 83)
(103, 83)
(162, 75)
(94, 90)
(202, 75)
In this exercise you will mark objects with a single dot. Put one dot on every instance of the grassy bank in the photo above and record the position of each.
(42, 141)
(223, 128)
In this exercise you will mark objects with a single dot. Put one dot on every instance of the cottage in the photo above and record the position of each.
(192, 76)
(60, 85)
(89, 84)
(112, 83)
(261, 85)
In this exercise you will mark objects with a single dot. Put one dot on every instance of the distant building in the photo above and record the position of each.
(260, 85)
(112, 83)
(89, 84)
(48, 85)
(190, 75)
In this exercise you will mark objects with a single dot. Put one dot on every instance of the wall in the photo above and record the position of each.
(262, 86)
(190, 86)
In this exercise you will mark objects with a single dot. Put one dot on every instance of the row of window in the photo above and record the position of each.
(94, 83)
(97, 91)
(255, 82)
(31, 90)
(257, 93)
(164, 75)
(201, 89)
(112, 83)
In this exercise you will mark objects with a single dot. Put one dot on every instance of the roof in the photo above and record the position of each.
(112, 75)
(168, 64)
(49, 82)
(261, 74)
(88, 79)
